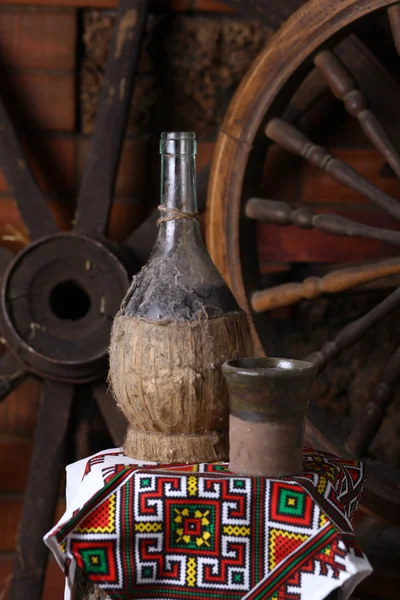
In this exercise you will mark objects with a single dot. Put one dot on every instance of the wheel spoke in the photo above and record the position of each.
(394, 20)
(42, 490)
(332, 283)
(344, 87)
(354, 331)
(310, 91)
(12, 373)
(369, 75)
(141, 241)
(97, 187)
(111, 414)
(293, 140)
(378, 85)
(370, 418)
(281, 213)
(31, 204)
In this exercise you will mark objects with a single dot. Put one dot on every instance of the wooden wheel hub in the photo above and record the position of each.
(58, 299)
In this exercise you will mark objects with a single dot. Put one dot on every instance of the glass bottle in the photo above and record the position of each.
(180, 281)
(177, 325)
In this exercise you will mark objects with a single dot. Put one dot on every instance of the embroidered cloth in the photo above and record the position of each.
(199, 531)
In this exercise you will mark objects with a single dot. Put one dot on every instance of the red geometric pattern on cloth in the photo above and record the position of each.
(321, 561)
(202, 532)
(354, 474)
(110, 472)
(315, 553)
(102, 520)
(281, 544)
(97, 559)
(98, 460)
(289, 505)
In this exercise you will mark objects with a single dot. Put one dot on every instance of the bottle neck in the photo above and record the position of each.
(178, 183)
(180, 281)
(178, 195)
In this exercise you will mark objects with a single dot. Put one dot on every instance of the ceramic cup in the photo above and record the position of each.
(268, 404)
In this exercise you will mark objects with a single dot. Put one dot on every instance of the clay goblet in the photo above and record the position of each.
(268, 404)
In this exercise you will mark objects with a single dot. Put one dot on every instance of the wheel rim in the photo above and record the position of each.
(283, 62)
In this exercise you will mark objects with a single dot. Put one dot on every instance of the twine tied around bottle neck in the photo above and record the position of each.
(174, 215)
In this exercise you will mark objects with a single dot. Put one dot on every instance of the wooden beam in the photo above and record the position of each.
(155, 5)
(98, 181)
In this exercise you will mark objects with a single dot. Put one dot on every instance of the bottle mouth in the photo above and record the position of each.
(178, 135)
(178, 142)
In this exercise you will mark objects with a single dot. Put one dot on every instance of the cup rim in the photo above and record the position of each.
(266, 365)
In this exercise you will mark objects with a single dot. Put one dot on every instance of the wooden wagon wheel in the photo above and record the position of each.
(60, 294)
(278, 88)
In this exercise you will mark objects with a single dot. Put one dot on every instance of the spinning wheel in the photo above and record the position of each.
(60, 294)
(314, 51)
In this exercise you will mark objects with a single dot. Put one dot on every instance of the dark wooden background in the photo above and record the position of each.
(195, 54)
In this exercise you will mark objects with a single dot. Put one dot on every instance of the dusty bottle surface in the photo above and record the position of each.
(178, 324)
(268, 405)
(180, 281)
